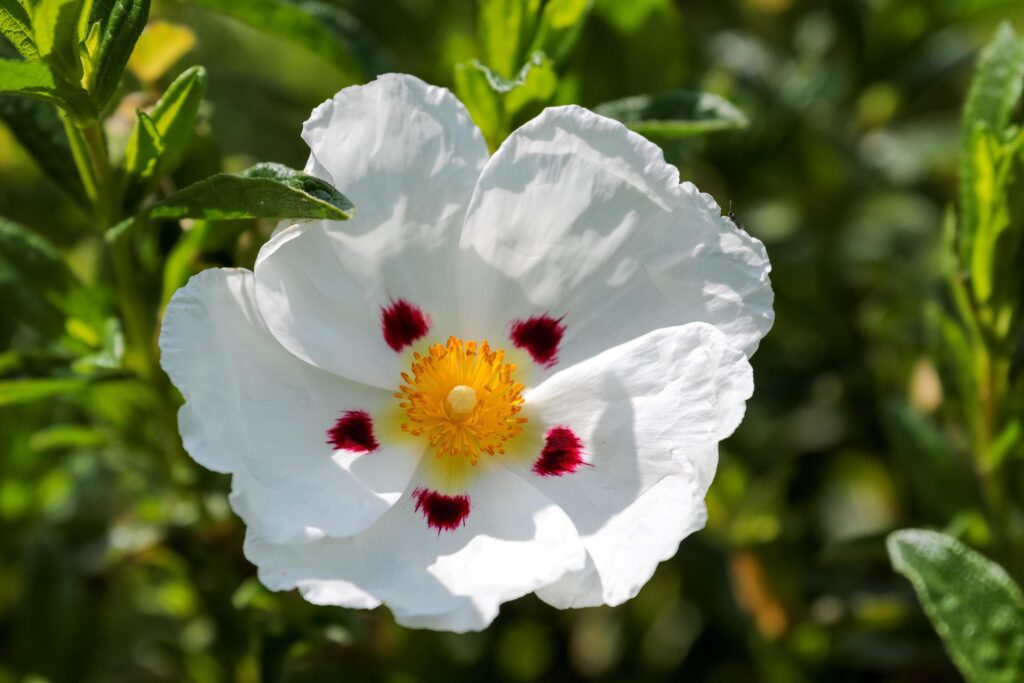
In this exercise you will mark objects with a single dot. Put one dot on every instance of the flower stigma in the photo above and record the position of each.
(461, 400)
(463, 397)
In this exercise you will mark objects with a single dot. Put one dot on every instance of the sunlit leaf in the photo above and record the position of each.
(484, 103)
(16, 27)
(675, 114)
(175, 116)
(122, 29)
(263, 191)
(32, 77)
(535, 84)
(505, 27)
(55, 26)
(995, 91)
(973, 604)
(159, 140)
(144, 147)
(493, 101)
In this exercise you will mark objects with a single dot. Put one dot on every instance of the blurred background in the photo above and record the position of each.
(121, 561)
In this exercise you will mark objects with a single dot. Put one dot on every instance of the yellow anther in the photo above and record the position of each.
(462, 397)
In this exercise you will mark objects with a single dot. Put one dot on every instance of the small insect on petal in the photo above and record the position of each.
(562, 453)
(402, 323)
(444, 513)
(539, 336)
(353, 432)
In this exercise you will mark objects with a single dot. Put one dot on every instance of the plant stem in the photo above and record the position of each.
(137, 326)
(992, 369)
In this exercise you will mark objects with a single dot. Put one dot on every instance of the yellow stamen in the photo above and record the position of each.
(462, 397)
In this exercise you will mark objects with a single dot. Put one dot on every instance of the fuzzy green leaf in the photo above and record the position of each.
(675, 114)
(973, 604)
(263, 191)
(17, 28)
(123, 27)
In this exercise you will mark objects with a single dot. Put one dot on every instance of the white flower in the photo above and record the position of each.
(504, 375)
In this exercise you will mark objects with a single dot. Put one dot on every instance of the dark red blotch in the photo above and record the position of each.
(562, 454)
(402, 324)
(444, 513)
(353, 432)
(540, 337)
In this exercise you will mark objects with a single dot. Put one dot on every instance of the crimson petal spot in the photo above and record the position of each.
(562, 453)
(353, 432)
(540, 336)
(402, 323)
(444, 513)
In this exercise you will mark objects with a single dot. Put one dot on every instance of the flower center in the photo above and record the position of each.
(462, 396)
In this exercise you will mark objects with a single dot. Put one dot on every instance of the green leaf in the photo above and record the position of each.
(38, 129)
(675, 114)
(174, 117)
(172, 122)
(534, 85)
(145, 145)
(32, 78)
(16, 27)
(14, 391)
(320, 28)
(973, 604)
(560, 25)
(991, 170)
(493, 101)
(55, 23)
(997, 87)
(505, 28)
(473, 87)
(263, 191)
(123, 27)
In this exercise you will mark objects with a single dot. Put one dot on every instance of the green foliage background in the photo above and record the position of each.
(119, 557)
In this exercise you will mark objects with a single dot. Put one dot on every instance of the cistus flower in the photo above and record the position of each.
(506, 374)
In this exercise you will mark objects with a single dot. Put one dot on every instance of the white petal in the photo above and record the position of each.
(577, 216)
(513, 542)
(408, 156)
(257, 411)
(650, 414)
